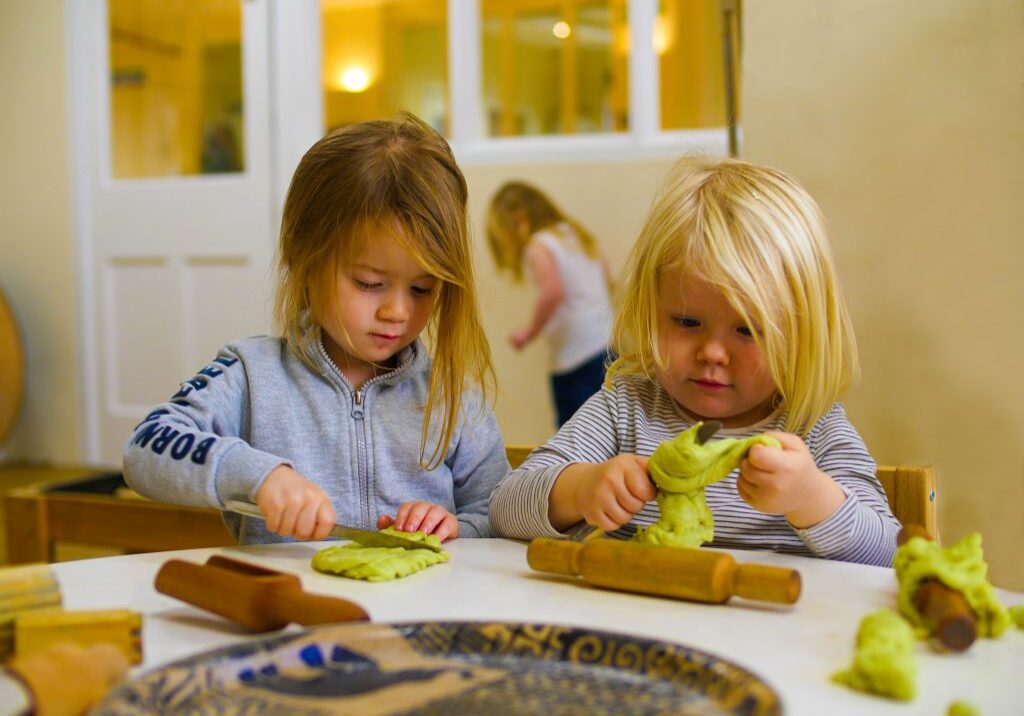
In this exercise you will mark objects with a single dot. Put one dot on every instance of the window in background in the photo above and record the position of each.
(176, 87)
(554, 67)
(688, 41)
(382, 56)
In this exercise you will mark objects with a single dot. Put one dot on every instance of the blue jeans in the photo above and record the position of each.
(571, 389)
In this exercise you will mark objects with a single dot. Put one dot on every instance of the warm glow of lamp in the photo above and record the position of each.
(561, 29)
(662, 37)
(354, 79)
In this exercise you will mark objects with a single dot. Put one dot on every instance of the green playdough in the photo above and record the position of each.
(963, 708)
(379, 564)
(884, 662)
(1017, 615)
(682, 468)
(961, 567)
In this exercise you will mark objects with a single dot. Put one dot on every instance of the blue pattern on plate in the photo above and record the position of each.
(447, 668)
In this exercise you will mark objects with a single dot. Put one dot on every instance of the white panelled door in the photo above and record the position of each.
(172, 266)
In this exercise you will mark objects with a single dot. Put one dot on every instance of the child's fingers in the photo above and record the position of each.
(626, 498)
(743, 487)
(640, 487)
(434, 517)
(765, 458)
(271, 517)
(609, 515)
(287, 519)
(305, 521)
(789, 440)
(326, 516)
(384, 521)
(448, 529)
(412, 519)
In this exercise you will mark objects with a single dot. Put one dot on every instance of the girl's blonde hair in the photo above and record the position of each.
(398, 177)
(756, 235)
(518, 211)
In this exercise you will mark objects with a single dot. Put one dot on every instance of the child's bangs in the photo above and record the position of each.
(739, 279)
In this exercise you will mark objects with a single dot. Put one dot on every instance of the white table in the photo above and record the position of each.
(795, 648)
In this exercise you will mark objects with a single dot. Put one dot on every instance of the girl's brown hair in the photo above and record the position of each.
(398, 176)
(518, 211)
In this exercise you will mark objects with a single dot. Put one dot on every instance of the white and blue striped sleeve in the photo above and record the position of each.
(519, 505)
(863, 529)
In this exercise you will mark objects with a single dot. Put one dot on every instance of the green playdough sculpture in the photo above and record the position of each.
(681, 468)
(1017, 615)
(378, 564)
(884, 662)
(961, 567)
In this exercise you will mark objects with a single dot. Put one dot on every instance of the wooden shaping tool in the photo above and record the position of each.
(259, 598)
(24, 589)
(945, 610)
(38, 630)
(695, 574)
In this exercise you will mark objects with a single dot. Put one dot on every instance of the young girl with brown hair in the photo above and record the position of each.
(346, 417)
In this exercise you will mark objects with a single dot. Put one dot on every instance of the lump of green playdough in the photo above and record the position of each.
(884, 661)
(682, 468)
(1017, 615)
(378, 564)
(962, 708)
(961, 567)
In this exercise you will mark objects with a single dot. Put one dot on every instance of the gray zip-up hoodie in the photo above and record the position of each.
(257, 406)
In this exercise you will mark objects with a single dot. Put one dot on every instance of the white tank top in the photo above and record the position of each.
(581, 325)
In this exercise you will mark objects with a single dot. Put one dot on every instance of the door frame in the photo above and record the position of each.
(295, 106)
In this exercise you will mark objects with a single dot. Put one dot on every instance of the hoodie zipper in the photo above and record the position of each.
(361, 457)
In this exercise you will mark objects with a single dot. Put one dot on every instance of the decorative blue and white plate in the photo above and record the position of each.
(448, 668)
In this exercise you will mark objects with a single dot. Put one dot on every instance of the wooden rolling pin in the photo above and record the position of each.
(695, 574)
(945, 610)
(260, 598)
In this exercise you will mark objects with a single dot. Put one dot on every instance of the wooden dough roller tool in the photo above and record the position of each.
(945, 610)
(700, 575)
(259, 598)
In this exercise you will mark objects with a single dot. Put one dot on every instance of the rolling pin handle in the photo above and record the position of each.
(767, 584)
(947, 611)
(557, 556)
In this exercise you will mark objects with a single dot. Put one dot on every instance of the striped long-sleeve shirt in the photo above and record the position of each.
(635, 415)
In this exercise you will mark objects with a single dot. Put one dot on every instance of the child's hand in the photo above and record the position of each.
(519, 338)
(421, 516)
(293, 506)
(606, 494)
(787, 482)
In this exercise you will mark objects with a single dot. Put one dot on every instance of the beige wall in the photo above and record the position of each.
(905, 120)
(610, 201)
(36, 258)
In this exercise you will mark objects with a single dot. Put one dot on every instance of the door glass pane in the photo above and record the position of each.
(688, 40)
(556, 67)
(176, 87)
(383, 56)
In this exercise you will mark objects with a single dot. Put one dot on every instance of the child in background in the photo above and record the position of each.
(346, 418)
(573, 308)
(732, 311)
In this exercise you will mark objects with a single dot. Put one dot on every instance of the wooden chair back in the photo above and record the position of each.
(910, 489)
